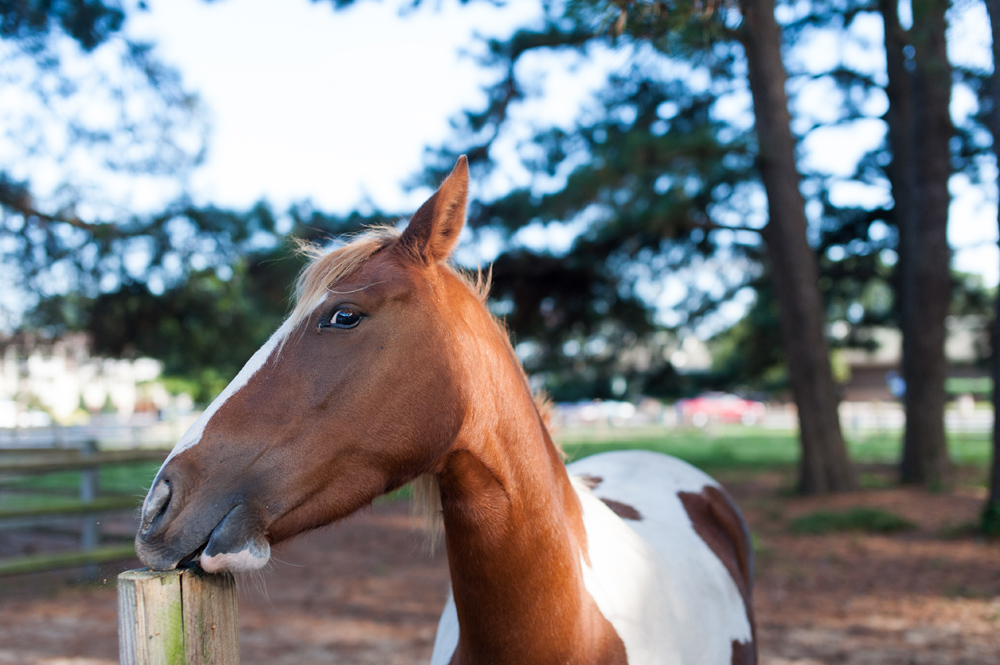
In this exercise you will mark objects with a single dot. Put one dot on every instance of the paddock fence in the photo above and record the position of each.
(56, 489)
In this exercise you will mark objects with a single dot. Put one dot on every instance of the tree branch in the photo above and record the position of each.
(24, 206)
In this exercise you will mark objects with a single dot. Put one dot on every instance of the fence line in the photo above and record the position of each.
(141, 433)
(86, 510)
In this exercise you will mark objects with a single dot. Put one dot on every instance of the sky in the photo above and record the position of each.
(337, 107)
(308, 103)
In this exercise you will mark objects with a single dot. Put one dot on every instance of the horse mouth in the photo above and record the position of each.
(156, 554)
(192, 559)
(235, 543)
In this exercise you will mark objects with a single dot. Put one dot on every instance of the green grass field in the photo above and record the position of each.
(54, 489)
(752, 447)
(723, 449)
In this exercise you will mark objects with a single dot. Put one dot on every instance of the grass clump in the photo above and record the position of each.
(990, 520)
(865, 520)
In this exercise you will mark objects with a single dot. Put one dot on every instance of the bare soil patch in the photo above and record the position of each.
(365, 591)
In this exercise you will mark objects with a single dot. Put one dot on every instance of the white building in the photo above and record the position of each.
(60, 378)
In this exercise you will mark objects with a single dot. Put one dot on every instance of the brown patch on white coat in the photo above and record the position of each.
(622, 510)
(718, 521)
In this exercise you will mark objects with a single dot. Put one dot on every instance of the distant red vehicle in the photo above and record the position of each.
(720, 408)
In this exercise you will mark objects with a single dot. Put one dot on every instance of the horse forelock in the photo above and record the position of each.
(327, 268)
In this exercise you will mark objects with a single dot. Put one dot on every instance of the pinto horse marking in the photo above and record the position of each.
(628, 557)
(622, 510)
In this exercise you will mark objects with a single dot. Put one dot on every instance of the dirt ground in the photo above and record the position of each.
(364, 592)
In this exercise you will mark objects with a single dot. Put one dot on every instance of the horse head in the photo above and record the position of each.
(357, 393)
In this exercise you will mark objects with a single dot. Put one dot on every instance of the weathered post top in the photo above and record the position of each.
(178, 617)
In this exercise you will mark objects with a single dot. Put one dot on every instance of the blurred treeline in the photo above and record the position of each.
(686, 165)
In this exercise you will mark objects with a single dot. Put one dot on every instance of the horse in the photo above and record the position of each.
(391, 369)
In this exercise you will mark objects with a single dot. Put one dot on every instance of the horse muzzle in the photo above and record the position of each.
(220, 534)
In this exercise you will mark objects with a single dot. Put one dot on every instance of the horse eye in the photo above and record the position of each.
(345, 318)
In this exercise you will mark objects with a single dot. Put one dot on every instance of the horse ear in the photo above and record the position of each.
(433, 230)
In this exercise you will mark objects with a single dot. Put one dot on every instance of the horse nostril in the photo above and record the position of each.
(156, 503)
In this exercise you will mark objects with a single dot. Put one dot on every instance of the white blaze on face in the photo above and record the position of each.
(252, 556)
(258, 360)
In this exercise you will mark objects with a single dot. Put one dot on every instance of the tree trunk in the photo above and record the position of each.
(920, 130)
(991, 511)
(902, 171)
(825, 466)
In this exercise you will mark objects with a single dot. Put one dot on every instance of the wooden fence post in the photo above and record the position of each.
(179, 617)
(90, 526)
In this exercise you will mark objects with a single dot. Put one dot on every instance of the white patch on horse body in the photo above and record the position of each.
(193, 435)
(252, 557)
(446, 639)
(659, 584)
(665, 592)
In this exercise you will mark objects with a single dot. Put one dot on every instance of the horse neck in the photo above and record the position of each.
(513, 529)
